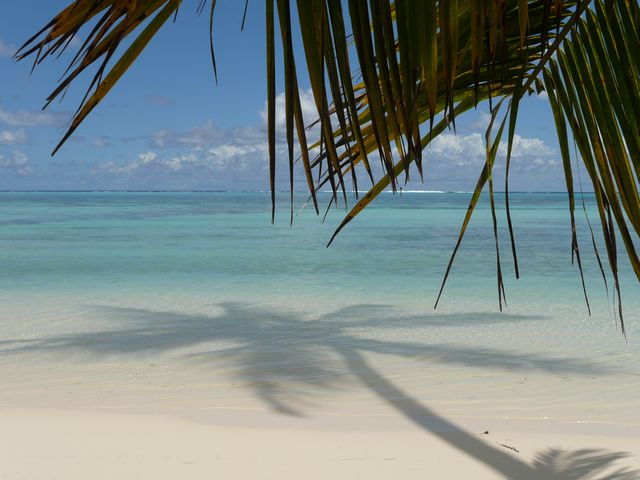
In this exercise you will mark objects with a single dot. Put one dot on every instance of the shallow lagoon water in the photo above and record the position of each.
(94, 284)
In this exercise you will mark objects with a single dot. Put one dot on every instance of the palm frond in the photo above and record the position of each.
(594, 87)
(117, 20)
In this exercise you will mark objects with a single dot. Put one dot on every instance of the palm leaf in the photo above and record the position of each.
(596, 79)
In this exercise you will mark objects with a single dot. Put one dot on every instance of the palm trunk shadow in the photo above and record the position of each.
(552, 464)
(428, 420)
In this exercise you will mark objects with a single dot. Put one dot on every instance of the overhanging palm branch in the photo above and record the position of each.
(388, 77)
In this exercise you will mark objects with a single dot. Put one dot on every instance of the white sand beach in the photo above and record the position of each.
(237, 391)
(77, 444)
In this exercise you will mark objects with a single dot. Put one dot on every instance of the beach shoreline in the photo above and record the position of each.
(182, 336)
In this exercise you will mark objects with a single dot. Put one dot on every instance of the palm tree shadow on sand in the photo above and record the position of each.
(284, 359)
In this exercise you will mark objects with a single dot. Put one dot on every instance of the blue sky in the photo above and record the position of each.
(166, 125)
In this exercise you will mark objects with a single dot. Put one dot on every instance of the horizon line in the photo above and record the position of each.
(399, 192)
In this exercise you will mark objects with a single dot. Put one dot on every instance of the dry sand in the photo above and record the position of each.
(73, 444)
(166, 399)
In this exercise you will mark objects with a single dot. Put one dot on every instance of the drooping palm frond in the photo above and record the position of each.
(594, 87)
(116, 20)
(418, 65)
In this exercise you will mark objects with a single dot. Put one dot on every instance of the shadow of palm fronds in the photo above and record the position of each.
(584, 464)
(286, 360)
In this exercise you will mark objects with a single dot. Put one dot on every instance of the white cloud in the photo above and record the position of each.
(307, 105)
(219, 153)
(179, 162)
(146, 158)
(142, 160)
(213, 139)
(214, 152)
(6, 49)
(235, 155)
(459, 149)
(453, 162)
(526, 147)
(481, 122)
(471, 149)
(148, 161)
(17, 162)
(15, 137)
(23, 118)
(160, 139)
(209, 156)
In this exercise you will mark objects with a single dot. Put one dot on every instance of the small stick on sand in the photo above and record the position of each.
(509, 447)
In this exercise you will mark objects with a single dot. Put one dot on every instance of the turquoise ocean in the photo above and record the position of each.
(123, 275)
(224, 243)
